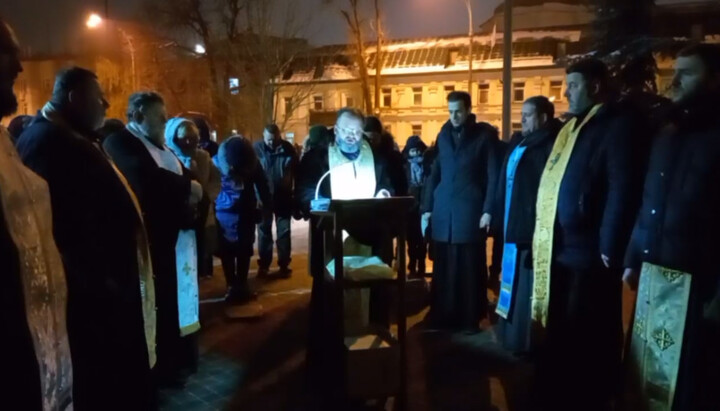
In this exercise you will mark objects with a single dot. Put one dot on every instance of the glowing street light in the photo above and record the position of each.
(199, 49)
(94, 21)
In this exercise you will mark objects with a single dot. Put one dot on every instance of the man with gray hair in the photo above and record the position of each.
(167, 196)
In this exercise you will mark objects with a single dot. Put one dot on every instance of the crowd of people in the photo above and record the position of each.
(106, 226)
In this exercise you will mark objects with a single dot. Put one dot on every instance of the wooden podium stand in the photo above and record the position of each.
(374, 361)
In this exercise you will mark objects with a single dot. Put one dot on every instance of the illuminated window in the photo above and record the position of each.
(288, 105)
(516, 126)
(449, 89)
(349, 102)
(234, 84)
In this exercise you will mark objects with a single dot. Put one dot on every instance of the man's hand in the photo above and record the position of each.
(383, 194)
(196, 193)
(485, 221)
(631, 277)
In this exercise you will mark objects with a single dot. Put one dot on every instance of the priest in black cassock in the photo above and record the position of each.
(355, 172)
(98, 228)
(37, 374)
(459, 200)
(167, 196)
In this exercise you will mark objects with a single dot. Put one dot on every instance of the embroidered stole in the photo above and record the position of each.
(26, 208)
(509, 261)
(145, 271)
(546, 213)
(656, 339)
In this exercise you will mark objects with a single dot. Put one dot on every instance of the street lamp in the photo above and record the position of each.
(94, 21)
(470, 44)
(199, 49)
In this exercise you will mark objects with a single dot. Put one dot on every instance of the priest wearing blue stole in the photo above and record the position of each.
(515, 210)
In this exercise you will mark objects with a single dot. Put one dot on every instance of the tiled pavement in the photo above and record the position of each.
(259, 364)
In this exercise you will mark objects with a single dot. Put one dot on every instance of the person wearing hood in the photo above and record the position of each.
(206, 142)
(459, 198)
(99, 231)
(417, 174)
(514, 218)
(319, 136)
(672, 256)
(279, 160)
(237, 213)
(182, 137)
(168, 197)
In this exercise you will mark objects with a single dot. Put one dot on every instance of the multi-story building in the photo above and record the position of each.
(417, 74)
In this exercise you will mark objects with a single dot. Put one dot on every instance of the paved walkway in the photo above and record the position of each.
(259, 364)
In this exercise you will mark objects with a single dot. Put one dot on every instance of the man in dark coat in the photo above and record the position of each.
(588, 197)
(383, 143)
(514, 218)
(99, 232)
(460, 198)
(673, 249)
(166, 198)
(279, 160)
(37, 371)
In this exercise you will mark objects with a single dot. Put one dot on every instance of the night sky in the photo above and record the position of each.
(50, 25)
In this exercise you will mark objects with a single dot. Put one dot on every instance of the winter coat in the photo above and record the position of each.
(521, 223)
(462, 182)
(95, 225)
(678, 224)
(236, 207)
(280, 166)
(599, 193)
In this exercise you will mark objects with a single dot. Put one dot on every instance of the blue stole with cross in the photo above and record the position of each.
(510, 252)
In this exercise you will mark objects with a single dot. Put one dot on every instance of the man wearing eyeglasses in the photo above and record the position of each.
(348, 169)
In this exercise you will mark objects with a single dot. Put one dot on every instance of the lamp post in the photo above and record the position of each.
(470, 45)
(94, 21)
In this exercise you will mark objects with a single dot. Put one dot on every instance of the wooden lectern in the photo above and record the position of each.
(373, 363)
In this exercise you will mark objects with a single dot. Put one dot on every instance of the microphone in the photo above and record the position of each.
(323, 204)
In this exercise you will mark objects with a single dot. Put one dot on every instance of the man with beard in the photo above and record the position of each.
(167, 197)
(460, 199)
(351, 170)
(673, 249)
(99, 231)
(33, 297)
(588, 197)
(514, 213)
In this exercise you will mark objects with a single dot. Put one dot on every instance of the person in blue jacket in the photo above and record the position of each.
(237, 211)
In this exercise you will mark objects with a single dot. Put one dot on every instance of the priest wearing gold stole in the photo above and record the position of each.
(37, 374)
(586, 203)
(673, 362)
(352, 170)
(99, 231)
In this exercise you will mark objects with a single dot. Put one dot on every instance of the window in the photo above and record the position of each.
(449, 89)
(417, 129)
(556, 90)
(349, 102)
(234, 84)
(516, 126)
(386, 97)
(518, 92)
(483, 93)
(417, 96)
(288, 105)
(318, 103)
